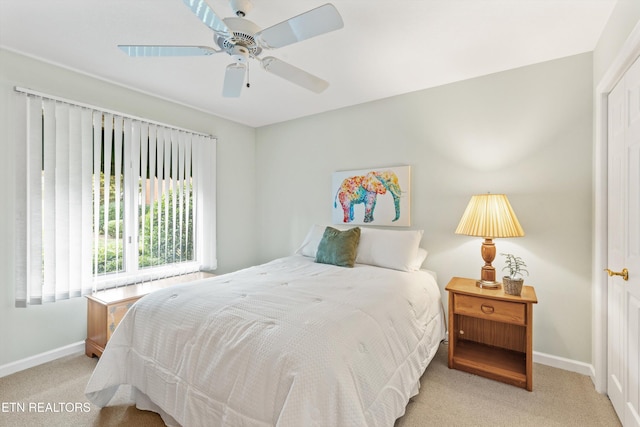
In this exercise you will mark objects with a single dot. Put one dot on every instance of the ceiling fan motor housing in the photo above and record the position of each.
(242, 44)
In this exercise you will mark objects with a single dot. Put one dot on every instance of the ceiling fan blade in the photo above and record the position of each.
(294, 74)
(320, 20)
(233, 80)
(202, 10)
(151, 50)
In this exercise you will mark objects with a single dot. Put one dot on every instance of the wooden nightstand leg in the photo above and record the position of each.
(452, 331)
(529, 351)
(91, 349)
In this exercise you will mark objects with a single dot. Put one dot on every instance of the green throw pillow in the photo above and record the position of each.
(338, 247)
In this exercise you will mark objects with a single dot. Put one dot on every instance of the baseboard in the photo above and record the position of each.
(39, 359)
(562, 363)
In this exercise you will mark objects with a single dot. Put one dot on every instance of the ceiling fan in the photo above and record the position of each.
(242, 40)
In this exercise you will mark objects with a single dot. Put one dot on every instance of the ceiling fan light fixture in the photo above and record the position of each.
(240, 54)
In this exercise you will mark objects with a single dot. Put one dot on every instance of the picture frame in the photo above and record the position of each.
(376, 196)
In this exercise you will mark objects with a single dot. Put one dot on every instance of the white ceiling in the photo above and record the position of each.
(386, 47)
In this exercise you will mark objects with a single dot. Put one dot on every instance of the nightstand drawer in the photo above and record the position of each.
(490, 309)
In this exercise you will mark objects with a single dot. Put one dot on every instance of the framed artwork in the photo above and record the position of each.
(377, 196)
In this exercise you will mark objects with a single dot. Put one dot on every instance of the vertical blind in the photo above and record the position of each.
(104, 198)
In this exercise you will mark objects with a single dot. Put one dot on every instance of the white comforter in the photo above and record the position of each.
(287, 343)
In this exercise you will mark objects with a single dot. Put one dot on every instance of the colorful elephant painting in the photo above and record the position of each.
(365, 189)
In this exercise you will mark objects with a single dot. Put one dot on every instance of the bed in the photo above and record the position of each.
(292, 342)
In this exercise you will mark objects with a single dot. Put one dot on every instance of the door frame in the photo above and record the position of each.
(624, 59)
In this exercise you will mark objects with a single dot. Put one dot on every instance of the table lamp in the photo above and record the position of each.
(489, 216)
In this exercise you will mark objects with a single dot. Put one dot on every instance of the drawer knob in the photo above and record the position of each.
(487, 309)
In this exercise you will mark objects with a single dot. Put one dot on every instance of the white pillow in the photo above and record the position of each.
(419, 259)
(310, 243)
(396, 249)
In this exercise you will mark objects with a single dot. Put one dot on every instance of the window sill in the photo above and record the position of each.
(134, 291)
(145, 275)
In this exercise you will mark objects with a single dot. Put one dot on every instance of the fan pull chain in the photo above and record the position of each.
(248, 83)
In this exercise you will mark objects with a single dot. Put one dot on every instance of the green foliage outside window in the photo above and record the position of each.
(171, 246)
(163, 247)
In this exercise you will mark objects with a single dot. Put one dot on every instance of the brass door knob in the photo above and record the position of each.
(624, 273)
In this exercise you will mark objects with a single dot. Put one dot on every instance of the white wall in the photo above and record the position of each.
(525, 132)
(37, 329)
(624, 17)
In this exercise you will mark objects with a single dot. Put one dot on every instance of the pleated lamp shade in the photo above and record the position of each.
(489, 216)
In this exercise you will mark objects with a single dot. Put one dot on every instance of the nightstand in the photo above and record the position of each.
(490, 332)
(105, 309)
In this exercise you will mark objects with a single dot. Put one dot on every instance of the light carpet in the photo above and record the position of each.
(53, 395)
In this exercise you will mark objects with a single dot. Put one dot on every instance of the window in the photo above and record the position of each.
(110, 200)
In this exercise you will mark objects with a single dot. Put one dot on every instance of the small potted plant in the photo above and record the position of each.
(514, 281)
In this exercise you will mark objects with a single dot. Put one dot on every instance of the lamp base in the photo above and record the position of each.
(486, 284)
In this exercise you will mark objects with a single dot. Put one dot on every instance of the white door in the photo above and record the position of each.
(623, 385)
